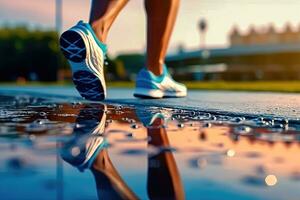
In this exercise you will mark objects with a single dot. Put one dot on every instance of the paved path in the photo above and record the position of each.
(252, 103)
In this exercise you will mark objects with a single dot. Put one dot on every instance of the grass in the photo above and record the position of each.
(274, 86)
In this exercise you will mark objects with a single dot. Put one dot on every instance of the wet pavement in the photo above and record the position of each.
(66, 148)
(227, 102)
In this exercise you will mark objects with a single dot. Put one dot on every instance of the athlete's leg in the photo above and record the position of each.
(103, 14)
(161, 17)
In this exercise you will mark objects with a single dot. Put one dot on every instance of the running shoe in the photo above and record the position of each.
(87, 139)
(85, 54)
(150, 86)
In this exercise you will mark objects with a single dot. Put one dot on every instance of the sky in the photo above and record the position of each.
(128, 32)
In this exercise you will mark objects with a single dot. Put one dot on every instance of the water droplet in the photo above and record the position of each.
(230, 153)
(79, 125)
(75, 151)
(42, 114)
(271, 180)
(192, 113)
(214, 118)
(238, 119)
(131, 121)
(134, 126)
(243, 130)
(41, 121)
(180, 125)
(206, 125)
(32, 137)
(207, 115)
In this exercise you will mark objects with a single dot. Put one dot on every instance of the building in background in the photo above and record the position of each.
(260, 54)
(264, 36)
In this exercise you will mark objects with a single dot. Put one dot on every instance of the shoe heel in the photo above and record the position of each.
(72, 46)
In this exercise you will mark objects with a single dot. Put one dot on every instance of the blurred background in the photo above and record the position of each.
(213, 41)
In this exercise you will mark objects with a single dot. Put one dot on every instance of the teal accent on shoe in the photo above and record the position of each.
(148, 75)
(100, 44)
(153, 77)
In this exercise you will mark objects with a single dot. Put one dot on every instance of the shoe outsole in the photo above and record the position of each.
(146, 93)
(72, 54)
(82, 87)
(141, 96)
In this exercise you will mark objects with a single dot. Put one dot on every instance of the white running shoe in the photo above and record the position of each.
(150, 86)
(86, 55)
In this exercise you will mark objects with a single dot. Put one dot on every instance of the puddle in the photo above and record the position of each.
(79, 150)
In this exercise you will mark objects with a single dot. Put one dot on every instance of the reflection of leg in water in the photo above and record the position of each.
(109, 183)
(86, 149)
(163, 177)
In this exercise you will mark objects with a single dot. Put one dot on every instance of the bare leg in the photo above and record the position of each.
(161, 15)
(103, 14)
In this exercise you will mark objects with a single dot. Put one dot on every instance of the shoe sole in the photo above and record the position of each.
(146, 93)
(77, 56)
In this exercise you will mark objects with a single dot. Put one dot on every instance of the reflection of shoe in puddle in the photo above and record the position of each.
(87, 140)
(149, 117)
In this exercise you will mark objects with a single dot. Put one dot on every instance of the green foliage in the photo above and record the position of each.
(31, 54)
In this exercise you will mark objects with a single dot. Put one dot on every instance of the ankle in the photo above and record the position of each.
(99, 29)
(156, 69)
